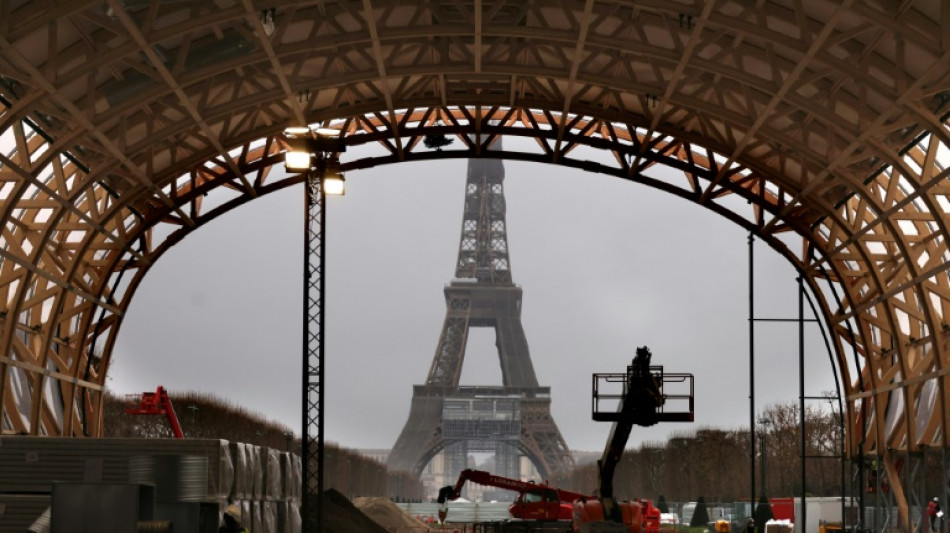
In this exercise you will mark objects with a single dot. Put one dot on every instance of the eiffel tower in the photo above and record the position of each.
(482, 295)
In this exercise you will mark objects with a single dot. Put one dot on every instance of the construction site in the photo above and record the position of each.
(816, 128)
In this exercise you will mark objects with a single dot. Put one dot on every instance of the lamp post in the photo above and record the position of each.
(314, 153)
(194, 428)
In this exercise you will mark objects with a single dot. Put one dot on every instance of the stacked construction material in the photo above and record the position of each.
(288, 507)
(266, 488)
(20, 511)
(194, 479)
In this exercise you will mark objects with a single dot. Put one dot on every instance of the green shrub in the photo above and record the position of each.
(700, 515)
(763, 513)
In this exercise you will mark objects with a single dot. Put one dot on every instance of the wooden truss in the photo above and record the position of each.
(820, 126)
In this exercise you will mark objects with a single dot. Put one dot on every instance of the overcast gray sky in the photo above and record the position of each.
(605, 265)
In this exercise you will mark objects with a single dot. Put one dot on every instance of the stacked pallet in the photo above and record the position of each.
(31, 464)
(191, 477)
(20, 511)
(267, 488)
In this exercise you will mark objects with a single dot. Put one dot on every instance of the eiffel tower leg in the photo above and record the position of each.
(421, 437)
(539, 433)
(541, 439)
(516, 367)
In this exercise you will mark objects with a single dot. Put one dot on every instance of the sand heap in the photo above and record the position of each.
(388, 515)
(340, 516)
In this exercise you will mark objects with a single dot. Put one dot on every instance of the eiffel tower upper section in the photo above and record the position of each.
(483, 294)
(483, 247)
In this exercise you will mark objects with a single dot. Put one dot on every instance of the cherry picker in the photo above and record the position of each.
(643, 402)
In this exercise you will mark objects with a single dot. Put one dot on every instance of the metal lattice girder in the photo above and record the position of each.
(827, 119)
(312, 373)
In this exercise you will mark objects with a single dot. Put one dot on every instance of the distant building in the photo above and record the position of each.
(377, 454)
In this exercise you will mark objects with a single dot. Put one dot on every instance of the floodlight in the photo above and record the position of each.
(297, 160)
(332, 178)
(296, 131)
(334, 184)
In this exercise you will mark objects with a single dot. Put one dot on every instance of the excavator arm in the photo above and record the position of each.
(453, 492)
(450, 492)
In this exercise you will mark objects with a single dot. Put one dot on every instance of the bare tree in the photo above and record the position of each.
(716, 462)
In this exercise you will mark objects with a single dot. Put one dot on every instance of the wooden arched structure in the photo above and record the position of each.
(820, 126)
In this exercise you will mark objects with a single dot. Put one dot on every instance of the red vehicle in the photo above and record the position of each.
(641, 404)
(535, 501)
(538, 501)
(156, 403)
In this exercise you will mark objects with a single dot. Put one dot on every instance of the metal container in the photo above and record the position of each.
(19, 512)
(190, 517)
(31, 464)
(100, 507)
(177, 478)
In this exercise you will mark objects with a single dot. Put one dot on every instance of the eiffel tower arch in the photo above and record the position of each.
(482, 296)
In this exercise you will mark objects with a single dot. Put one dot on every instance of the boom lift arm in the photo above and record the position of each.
(641, 404)
(156, 403)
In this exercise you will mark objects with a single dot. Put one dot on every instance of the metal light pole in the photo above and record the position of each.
(316, 154)
(311, 509)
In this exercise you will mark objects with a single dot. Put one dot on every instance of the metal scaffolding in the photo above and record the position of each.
(482, 424)
(312, 442)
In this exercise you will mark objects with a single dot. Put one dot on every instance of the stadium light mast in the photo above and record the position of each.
(315, 153)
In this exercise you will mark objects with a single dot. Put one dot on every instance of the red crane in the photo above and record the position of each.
(536, 501)
(156, 403)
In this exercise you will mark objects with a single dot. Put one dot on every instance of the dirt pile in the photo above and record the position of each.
(388, 515)
(341, 516)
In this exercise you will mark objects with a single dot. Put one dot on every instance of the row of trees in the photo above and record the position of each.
(716, 462)
(203, 416)
(710, 462)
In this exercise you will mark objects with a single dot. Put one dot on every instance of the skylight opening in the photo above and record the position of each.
(907, 227)
(7, 143)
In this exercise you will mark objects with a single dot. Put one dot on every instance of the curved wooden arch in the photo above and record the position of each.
(820, 126)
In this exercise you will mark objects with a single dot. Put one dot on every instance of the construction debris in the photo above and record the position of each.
(341, 516)
(388, 515)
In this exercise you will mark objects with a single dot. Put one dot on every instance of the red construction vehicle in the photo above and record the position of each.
(642, 402)
(535, 501)
(156, 403)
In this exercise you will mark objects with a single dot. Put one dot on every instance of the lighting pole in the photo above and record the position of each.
(194, 428)
(315, 153)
